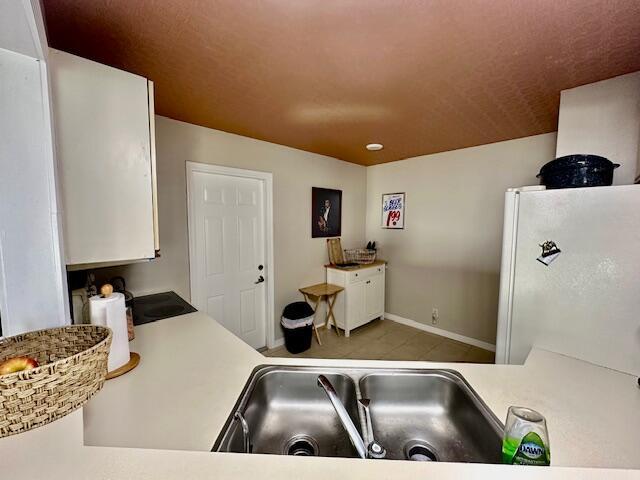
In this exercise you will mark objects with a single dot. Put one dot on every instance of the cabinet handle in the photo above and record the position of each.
(368, 281)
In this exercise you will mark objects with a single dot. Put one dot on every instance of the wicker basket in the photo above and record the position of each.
(360, 255)
(73, 366)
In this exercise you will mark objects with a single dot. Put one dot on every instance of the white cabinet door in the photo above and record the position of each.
(30, 255)
(102, 126)
(356, 304)
(374, 296)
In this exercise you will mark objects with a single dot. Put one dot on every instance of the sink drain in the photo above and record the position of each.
(301, 446)
(420, 451)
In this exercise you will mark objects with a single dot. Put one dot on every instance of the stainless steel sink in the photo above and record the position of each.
(287, 414)
(434, 414)
(429, 415)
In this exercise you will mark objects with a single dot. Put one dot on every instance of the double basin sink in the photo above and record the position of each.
(428, 415)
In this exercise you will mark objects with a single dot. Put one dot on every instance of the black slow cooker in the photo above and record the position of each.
(573, 171)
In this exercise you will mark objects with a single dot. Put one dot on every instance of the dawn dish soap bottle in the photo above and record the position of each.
(526, 441)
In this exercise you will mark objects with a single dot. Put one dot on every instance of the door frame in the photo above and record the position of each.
(267, 180)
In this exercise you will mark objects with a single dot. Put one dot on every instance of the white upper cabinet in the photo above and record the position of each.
(103, 120)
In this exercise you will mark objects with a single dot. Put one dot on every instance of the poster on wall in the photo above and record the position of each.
(393, 210)
(326, 212)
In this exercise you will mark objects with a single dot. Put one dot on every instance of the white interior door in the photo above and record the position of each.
(229, 265)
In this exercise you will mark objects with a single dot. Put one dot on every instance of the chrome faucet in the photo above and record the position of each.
(246, 436)
(374, 449)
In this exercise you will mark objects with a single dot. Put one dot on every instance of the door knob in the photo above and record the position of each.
(260, 280)
(260, 267)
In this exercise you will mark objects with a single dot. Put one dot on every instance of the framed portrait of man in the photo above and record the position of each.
(326, 212)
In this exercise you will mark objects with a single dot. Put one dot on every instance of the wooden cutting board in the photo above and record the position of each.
(334, 247)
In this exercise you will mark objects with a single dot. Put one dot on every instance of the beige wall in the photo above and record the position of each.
(603, 118)
(299, 259)
(448, 255)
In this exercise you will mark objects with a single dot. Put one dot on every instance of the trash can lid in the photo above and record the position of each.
(297, 310)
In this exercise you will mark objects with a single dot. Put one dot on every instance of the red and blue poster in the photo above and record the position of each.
(393, 210)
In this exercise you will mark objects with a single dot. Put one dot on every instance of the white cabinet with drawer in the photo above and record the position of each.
(105, 147)
(363, 297)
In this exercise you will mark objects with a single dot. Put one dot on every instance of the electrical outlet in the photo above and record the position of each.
(435, 316)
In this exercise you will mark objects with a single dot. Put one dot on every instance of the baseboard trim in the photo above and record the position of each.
(276, 343)
(439, 331)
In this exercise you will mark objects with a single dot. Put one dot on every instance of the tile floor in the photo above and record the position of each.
(387, 340)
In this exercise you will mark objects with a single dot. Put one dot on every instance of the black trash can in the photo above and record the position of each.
(297, 325)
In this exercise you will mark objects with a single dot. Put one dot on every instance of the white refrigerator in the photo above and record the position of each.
(583, 299)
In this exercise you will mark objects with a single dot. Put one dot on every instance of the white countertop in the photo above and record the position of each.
(172, 407)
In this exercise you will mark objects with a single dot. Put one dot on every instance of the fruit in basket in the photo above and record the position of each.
(17, 364)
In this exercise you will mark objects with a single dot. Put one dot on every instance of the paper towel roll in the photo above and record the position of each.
(111, 312)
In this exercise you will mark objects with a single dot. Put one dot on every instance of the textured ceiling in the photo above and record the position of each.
(329, 76)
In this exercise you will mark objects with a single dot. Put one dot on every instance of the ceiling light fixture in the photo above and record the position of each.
(374, 147)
